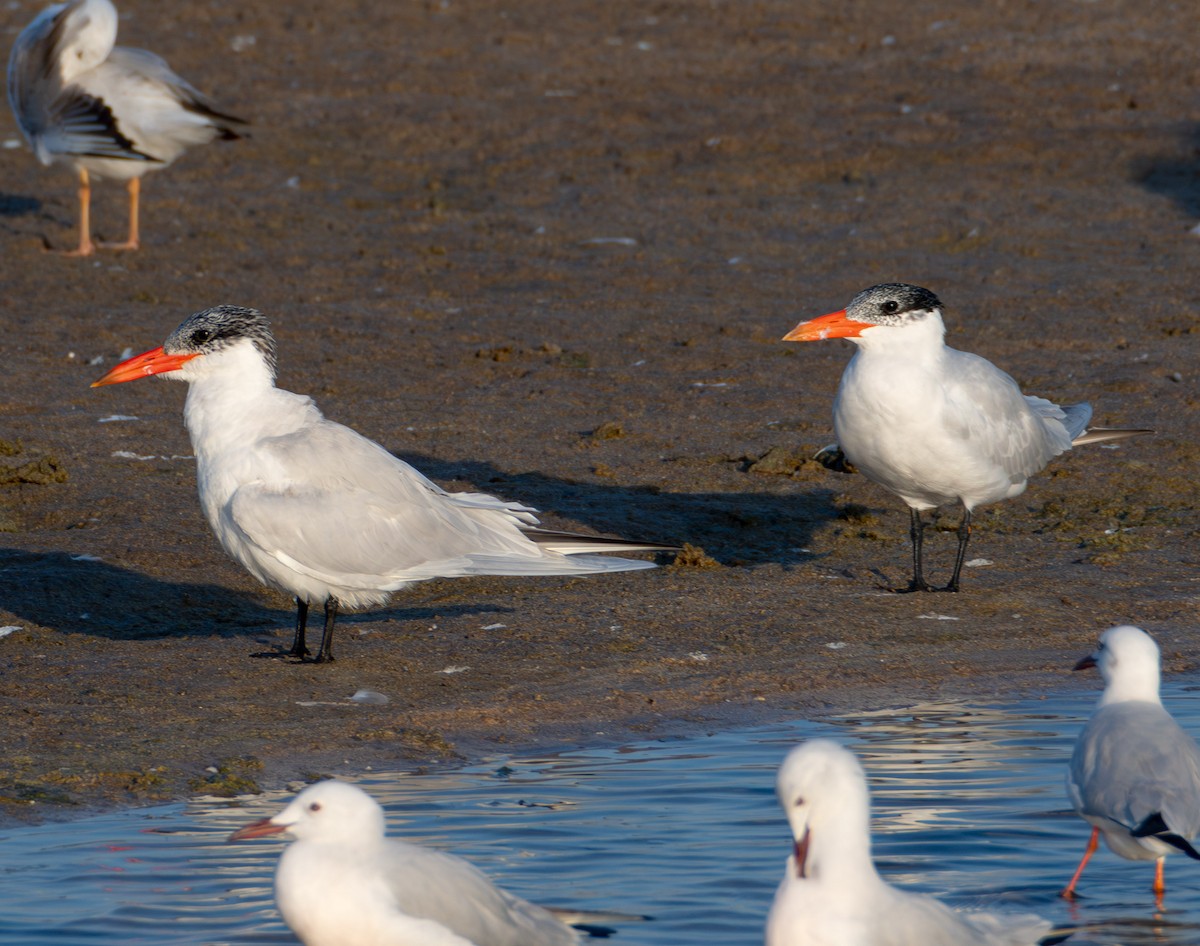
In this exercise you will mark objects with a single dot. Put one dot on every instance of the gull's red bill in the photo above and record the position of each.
(262, 828)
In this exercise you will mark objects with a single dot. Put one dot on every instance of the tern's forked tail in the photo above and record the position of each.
(573, 543)
(1102, 434)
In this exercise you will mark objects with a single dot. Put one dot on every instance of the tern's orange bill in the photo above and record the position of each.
(155, 361)
(257, 829)
(834, 325)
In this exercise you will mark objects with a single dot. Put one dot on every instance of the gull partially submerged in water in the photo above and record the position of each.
(105, 110)
(342, 882)
(831, 894)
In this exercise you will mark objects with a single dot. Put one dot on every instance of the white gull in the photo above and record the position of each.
(831, 894)
(342, 882)
(104, 110)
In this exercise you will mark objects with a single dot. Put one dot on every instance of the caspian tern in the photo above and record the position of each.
(313, 508)
(831, 894)
(932, 424)
(342, 882)
(103, 109)
(1134, 774)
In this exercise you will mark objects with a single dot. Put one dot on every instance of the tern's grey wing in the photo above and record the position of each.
(452, 891)
(328, 455)
(1133, 761)
(340, 508)
(985, 406)
(350, 539)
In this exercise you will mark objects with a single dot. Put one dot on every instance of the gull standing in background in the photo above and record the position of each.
(103, 109)
(932, 424)
(1134, 775)
(315, 509)
(342, 882)
(831, 894)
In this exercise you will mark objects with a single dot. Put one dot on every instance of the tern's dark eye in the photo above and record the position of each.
(799, 803)
(890, 306)
(202, 335)
(315, 806)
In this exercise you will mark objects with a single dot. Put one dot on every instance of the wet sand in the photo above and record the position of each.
(547, 251)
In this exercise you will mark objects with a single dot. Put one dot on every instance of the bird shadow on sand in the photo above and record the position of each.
(1175, 176)
(748, 528)
(89, 596)
(86, 596)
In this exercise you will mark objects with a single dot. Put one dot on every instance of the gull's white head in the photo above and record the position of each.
(823, 791)
(86, 34)
(225, 338)
(329, 812)
(1128, 660)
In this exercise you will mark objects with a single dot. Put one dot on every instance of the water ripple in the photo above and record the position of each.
(969, 806)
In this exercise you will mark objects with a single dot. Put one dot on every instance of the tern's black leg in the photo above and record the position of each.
(298, 648)
(964, 536)
(326, 651)
(916, 532)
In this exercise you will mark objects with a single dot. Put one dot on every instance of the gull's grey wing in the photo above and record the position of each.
(33, 68)
(83, 125)
(912, 919)
(1133, 761)
(440, 886)
(142, 66)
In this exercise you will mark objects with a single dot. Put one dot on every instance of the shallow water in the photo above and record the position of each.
(968, 805)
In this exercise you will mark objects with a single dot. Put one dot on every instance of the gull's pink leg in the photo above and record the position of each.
(1069, 892)
(135, 190)
(86, 246)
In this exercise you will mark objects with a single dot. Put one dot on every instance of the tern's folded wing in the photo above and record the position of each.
(357, 538)
(1018, 433)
